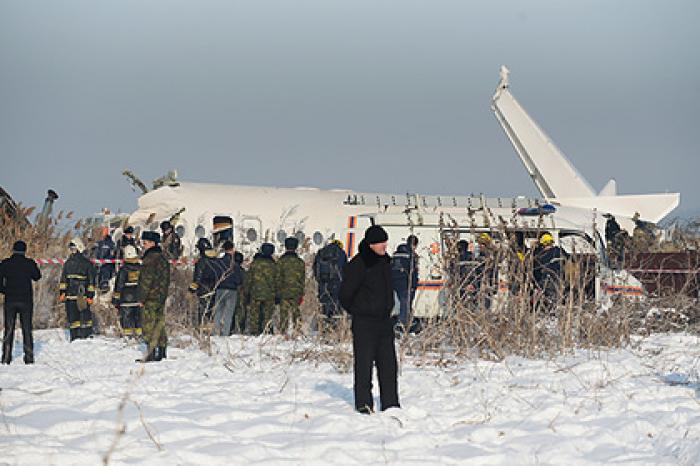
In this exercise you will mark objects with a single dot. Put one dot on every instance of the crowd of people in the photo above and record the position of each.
(475, 272)
(365, 287)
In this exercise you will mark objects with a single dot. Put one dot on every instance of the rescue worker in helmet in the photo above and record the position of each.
(125, 296)
(547, 269)
(127, 239)
(77, 290)
(204, 281)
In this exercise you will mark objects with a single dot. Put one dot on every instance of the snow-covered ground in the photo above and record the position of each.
(247, 403)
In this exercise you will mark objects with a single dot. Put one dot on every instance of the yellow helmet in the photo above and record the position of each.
(546, 239)
(484, 238)
(338, 243)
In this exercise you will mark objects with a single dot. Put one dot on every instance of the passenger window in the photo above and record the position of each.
(281, 236)
(251, 234)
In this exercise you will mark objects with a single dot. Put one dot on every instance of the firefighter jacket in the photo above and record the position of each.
(127, 283)
(77, 278)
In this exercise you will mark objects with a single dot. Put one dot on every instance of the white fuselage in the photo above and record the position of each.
(315, 217)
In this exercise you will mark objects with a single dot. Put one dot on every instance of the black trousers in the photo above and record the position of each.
(373, 344)
(131, 320)
(25, 311)
(79, 322)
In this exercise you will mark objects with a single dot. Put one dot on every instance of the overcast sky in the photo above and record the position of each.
(366, 95)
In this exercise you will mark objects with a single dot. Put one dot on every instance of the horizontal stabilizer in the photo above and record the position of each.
(651, 207)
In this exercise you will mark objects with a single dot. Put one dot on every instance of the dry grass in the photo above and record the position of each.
(519, 321)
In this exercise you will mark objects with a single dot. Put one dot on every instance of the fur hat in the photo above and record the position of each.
(151, 236)
(376, 234)
(203, 244)
(291, 243)
(267, 249)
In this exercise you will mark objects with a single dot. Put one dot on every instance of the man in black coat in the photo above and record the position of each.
(367, 293)
(16, 275)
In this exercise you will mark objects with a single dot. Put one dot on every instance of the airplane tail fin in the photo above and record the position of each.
(556, 177)
(553, 174)
(610, 188)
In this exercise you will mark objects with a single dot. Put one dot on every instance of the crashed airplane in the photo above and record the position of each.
(570, 210)
(269, 213)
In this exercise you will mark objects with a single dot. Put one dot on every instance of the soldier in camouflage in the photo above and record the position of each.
(291, 275)
(154, 281)
(77, 290)
(261, 290)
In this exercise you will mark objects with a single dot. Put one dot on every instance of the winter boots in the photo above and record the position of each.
(154, 355)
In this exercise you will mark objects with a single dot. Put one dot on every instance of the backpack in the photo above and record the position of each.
(327, 265)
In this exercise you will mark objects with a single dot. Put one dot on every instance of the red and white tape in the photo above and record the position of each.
(183, 261)
(662, 271)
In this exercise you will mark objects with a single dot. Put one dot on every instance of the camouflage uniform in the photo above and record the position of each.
(154, 281)
(171, 245)
(261, 292)
(291, 274)
(77, 287)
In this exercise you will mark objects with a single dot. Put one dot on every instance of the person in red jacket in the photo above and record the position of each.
(16, 275)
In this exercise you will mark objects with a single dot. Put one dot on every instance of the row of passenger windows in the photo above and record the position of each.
(251, 234)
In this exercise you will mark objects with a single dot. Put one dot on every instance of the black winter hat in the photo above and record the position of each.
(20, 247)
(267, 249)
(203, 244)
(129, 230)
(151, 236)
(165, 225)
(376, 234)
(291, 243)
